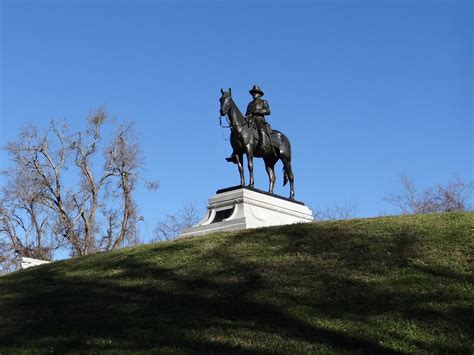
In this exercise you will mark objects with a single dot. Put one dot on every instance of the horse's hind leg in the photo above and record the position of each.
(270, 166)
(240, 158)
(249, 153)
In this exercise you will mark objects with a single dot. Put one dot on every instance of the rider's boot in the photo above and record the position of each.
(232, 159)
(260, 146)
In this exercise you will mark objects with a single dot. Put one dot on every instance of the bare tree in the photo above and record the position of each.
(173, 224)
(8, 262)
(347, 210)
(124, 161)
(23, 225)
(9, 240)
(43, 156)
(88, 208)
(406, 200)
(454, 196)
(23, 217)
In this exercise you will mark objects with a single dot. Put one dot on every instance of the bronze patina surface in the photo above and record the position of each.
(252, 136)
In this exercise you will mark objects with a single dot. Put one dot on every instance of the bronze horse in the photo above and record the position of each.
(244, 140)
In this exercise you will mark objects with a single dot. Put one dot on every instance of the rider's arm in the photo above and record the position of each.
(266, 108)
(248, 113)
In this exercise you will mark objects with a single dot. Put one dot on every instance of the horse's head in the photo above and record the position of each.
(225, 101)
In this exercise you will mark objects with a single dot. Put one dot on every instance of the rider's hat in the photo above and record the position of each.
(256, 89)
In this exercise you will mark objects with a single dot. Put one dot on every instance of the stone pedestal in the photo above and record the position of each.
(26, 263)
(238, 207)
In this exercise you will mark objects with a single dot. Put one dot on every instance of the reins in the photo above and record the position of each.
(231, 126)
(220, 122)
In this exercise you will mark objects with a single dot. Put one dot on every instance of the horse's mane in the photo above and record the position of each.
(236, 108)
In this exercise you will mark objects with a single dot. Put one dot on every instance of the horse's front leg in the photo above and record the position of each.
(240, 158)
(249, 153)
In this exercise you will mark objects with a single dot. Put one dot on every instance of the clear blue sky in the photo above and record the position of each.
(365, 90)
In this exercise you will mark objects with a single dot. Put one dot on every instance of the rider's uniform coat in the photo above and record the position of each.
(258, 109)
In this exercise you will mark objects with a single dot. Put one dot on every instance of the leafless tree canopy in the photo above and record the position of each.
(172, 225)
(454, 196)
(346, 210)
(7, 256)
(24, 219)
(71, 189)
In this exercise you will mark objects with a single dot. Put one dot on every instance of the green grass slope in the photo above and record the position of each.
(383, 285)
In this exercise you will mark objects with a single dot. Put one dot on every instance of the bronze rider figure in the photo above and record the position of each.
(257, 109)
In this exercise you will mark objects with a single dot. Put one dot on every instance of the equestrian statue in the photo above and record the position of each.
(252, 135)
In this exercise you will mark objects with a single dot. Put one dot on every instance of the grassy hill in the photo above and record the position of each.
(392, 284)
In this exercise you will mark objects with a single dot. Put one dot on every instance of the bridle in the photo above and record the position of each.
(230, 125)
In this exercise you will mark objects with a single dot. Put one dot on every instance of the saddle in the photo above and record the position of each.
(269, 136)
(267, 130)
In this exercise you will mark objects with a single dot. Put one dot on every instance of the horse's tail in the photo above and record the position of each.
(285, 176)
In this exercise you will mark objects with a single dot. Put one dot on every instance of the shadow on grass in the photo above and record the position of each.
(230, 297)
